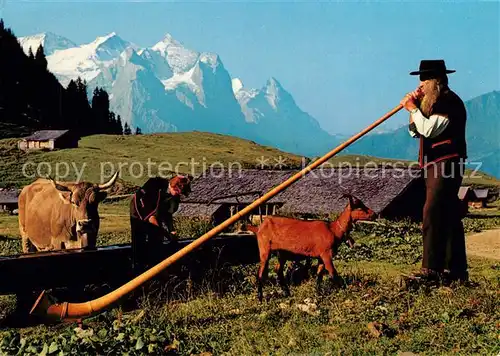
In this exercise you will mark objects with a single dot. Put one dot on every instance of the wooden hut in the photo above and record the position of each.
(466, 195)
(218, 194)
(474, 197)
(480, 198)
(9, 200)
(49, 139)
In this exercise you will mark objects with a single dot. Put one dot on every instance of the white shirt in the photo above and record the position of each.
(428, 127)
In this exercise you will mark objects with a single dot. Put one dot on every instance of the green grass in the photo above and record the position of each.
(179, 320)
(115, 226)
(184, 320)
(191, 152)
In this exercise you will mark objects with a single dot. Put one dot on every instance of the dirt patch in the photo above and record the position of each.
(484, 244)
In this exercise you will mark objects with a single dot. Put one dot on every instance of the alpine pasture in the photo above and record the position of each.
(221, 315)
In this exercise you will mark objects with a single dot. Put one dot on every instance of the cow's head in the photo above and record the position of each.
(84, 198)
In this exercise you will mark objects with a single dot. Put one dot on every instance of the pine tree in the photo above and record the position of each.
(100, 110)
(126, 130)
(32, 96)
(40, 57)
(71, 107)
(111, 124)
(30, 54)
(76, 107)
(115, 125)
(138, 131)
(119, 126)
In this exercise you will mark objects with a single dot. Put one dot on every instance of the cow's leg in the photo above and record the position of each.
(263, 271)
(281, 277)
(57, 244)
(26, 244)
(47, 248)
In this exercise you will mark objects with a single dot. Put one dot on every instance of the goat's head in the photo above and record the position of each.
(358, 210)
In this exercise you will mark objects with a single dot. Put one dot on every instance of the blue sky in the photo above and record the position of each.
(345, 63)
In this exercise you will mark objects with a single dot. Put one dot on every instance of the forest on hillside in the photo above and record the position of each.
(32, 97)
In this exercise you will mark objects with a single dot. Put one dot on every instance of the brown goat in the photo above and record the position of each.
(294, 239)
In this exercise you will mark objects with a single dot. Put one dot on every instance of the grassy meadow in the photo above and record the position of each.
(139, 156)
(220, 314)
(191, 152)
(371, 314)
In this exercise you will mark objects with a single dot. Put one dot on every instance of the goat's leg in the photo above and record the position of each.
(281, 277)
(319, 276)
(308, 266)
(328, 262)
(263, 271)
(277, 266)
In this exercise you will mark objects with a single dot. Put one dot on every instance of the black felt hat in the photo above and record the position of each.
(431, 67)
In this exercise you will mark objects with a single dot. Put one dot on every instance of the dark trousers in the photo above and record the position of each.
(147, 244)
(443, 231)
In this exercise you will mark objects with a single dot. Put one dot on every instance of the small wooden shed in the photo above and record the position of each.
(49, 139)
(466, 196)
(481, 198)
(9, 199)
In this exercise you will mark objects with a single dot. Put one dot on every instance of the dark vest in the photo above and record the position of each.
(451, 142)
(153, 199)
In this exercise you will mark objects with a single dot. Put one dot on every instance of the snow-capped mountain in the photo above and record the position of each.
(50, 42)
(169, 87)
(179, 58)
(88, 60)
(273, 110)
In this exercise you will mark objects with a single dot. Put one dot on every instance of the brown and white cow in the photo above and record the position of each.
(56, 215)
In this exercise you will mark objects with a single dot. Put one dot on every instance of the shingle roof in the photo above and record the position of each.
(376, 188)
(45, 135)
(200, 210)
(481, 193)
(319, 191)
(9, 196)
(462, 192)
(216, 184)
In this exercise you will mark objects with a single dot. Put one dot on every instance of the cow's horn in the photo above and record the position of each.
(59, 186)
(109, 183)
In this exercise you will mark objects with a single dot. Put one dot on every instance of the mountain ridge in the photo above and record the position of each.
(169, 88)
